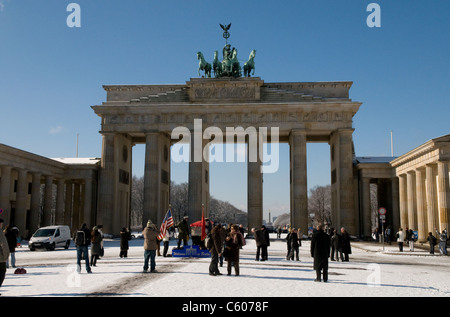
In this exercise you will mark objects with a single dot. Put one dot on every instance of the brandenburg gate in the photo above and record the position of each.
(302, 112)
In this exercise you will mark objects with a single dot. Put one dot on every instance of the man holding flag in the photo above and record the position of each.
(164, 233)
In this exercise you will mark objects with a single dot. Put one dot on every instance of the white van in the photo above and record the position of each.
(50, 238)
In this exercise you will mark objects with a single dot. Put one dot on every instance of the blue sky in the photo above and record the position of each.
(51, 74)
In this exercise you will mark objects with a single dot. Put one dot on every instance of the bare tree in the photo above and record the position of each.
(319, 204)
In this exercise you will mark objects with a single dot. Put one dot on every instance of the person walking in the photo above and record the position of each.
(234, 242)
(260, 243)
(432, 241)
(183, 232)
(400, 238)
(125, 236)
(96, 240)
(320, 251)
(346, 246)
(150, 234)
(4, 253)
(11, 233)
(442, 241)
(82, 241)
(215, 246)
(294, 245)
(411, 239)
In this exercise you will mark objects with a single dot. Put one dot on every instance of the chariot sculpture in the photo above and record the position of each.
(229, 66)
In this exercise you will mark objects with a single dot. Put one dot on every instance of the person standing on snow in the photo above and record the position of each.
(442, 241)
(215, 246)
(320, 251)
(150, 234)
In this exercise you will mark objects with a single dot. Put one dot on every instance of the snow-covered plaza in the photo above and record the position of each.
(371, 272)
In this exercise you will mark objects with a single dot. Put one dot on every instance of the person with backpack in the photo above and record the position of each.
(442, 241)
(82, 240)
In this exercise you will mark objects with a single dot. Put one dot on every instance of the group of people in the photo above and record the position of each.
(409, 236)
(224, 244)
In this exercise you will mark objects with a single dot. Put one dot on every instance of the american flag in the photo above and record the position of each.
(167, 223)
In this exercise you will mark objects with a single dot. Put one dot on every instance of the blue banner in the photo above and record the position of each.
(192, 251)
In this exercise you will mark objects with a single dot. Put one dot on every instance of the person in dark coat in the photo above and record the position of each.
(96, 239)
(261, 244)
(125, 236)
(234, 242)
(11, 234)
(215, 245)
(294, 245)
(265, 253)
(432, 241)
(320, 251)
(183, 232)
(336, 246)
(346, 247)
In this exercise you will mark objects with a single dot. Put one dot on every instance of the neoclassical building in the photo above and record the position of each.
(424, 192)
(29, 183)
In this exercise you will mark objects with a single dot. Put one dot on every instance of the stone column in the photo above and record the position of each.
(411, 199)
(5, 193)
(21, 202)
(198, 188)
(35, 203)
(59, 214)
(87, 208)
(68, 204)
(48, 201)
(107, 182)
(395, 204)
(443, 195)
(299, 188)
(254, 189)
(421, 206)
(76, 207)
(366, 209)
(346, 208)
(151, 178)
(403, 201)
(432, 205)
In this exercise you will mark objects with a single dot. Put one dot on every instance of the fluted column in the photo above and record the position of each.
(443, 195)
(421, 206)
(299, 186)
(68, 203)
(395, 203)
(151, 178)
(254, 191)
(432, 212)
(106, 185)
(87, 208)
(48, 201)
(411, 199)
(403, 200)
(35, 202)
(59, 214)
(21, 201)
(348, 214)
(5, 192)
(366, 209)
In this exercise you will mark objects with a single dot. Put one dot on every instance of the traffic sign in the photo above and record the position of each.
(382, 211)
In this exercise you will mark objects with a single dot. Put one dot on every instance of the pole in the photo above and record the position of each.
(392, 145)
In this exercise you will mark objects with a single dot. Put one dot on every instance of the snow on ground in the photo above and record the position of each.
(370, 273)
